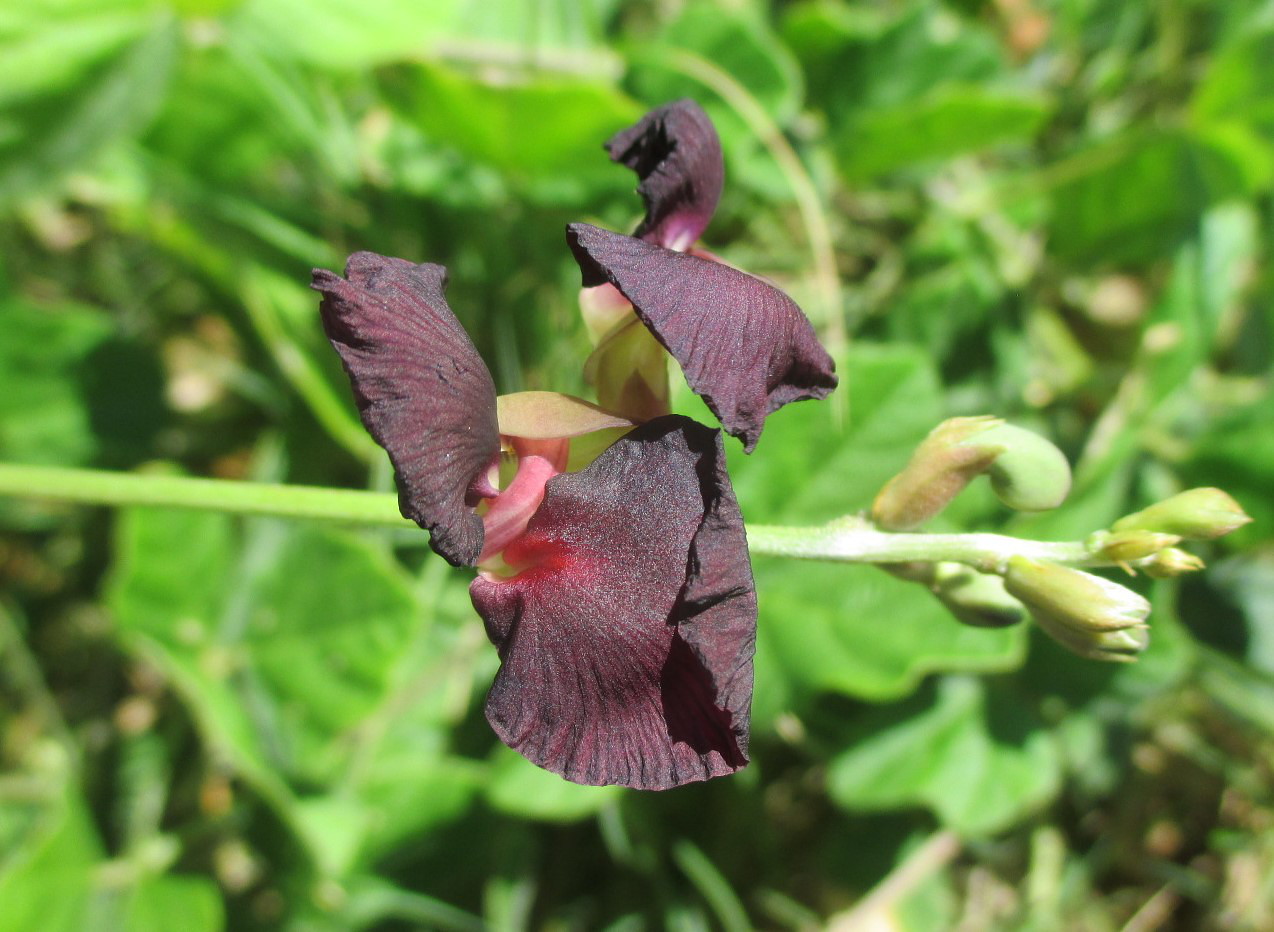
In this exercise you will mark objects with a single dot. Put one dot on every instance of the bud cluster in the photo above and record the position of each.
(1094, 617)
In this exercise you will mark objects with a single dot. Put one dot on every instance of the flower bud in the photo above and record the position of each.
(1091, 616)
(1128, 546)
(629, 370)
(1171, 562)
(976, 599)
(945, 462)
(603, 309)
(1118, 646)
(1031, 474)
(1199, 514)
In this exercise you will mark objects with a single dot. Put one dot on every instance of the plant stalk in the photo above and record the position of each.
(848, 540)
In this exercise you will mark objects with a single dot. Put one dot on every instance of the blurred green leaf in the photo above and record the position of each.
(739, 43)
(59, 133)
(46, 47)
(857, 631)
(379, 32)
(1239, 84)
(155, 902)
(520, 788)
(862, 58)
(952, 120)
(1248, 581)
(296, 655)
(46, 871)
(1111, 208)
(45, 416)
(544, 133)
(976, 757)
(893, 401)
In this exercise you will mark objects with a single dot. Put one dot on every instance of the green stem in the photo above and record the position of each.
(849, 540)
(95, 487)
(853, 540)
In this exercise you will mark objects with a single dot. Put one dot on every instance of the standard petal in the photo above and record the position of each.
(744, 345)
(626, 638)
(422, 390)
(675, 152)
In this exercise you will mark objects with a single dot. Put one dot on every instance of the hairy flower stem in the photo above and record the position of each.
(848, 540)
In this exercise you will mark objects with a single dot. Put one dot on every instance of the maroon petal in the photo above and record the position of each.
(744, 346)
(675, 152)
(626, 640)
(422, 390)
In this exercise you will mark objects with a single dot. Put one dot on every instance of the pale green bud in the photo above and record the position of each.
(1128, 546)
(1091, 616)
(937, 472)
(629, 370)
(603, 309)
(1199, 514)
(976, 599)
(1085, 600)
(1119, 646)
(1031, 474)
(1171, 562)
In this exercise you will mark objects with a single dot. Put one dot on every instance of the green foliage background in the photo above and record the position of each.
(1057, 211)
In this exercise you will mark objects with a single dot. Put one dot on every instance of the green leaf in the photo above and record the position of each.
(543, 133)
(859, 59)
(952, 120)
(1112, 206)
(740, 45)
(43, 51)
(154, 902)
(44, 415)
(379, 32)
(518, 787)
(1238, 86)
(60, 133)
(842, 449)
(46, 879)
(980, 760)
(858, 631)
(303, 656)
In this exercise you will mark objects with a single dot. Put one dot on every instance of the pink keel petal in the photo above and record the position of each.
(506, 519)
(626, 646)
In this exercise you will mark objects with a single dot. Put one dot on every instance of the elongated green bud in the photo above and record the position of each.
(1091, 616)
(1198, 514)
(1127, 546)
(944, 463)
(1171, 562)
(1118, 646)
(1031, 474)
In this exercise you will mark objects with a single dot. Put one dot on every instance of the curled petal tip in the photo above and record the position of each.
(675, 151)
(421, 388)
(745, 346)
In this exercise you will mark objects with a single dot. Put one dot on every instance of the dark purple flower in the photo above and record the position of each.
(745, 346)
(620, 596)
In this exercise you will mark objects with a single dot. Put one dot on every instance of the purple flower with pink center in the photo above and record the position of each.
(618, 592)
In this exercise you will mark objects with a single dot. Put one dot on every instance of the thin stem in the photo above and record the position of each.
(849, 540)
(95, 487)
(856, 541)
